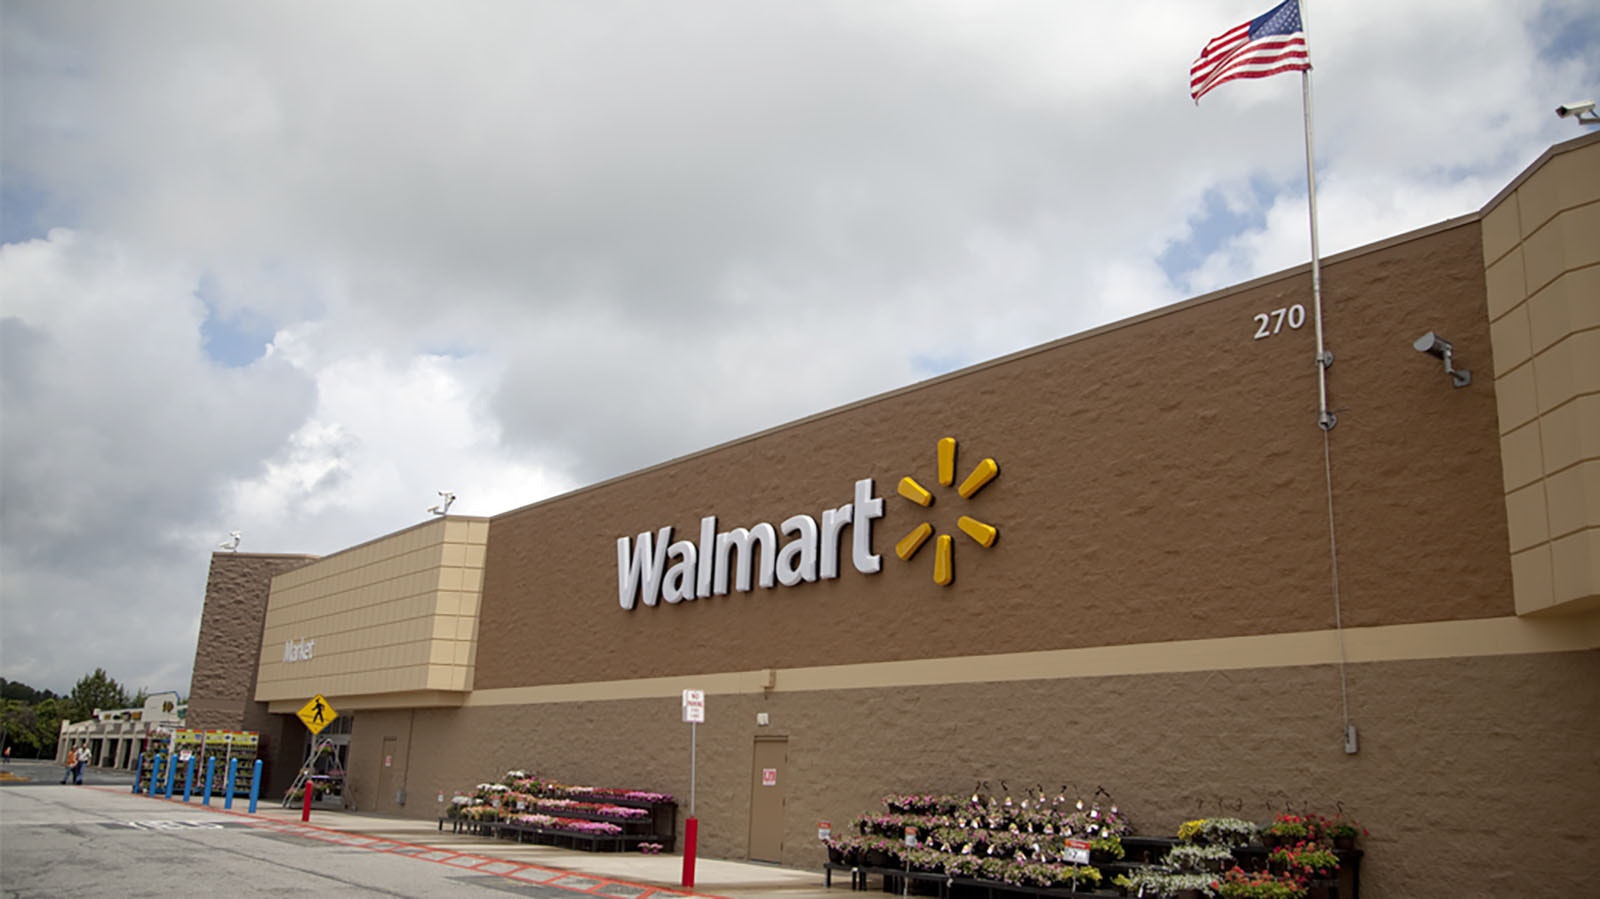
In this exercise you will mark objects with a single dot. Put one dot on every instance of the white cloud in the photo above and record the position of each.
(509, 248)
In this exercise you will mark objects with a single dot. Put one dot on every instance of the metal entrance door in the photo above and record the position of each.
(767, 785)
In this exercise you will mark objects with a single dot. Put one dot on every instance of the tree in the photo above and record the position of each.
(18, 723)
(15, 689)
(97, 691)
(49, 714)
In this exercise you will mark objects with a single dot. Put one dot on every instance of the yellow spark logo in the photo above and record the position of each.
(984, 534)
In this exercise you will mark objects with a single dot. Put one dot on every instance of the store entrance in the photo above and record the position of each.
(328, 760)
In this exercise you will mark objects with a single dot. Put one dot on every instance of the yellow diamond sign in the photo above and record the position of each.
(317, 714)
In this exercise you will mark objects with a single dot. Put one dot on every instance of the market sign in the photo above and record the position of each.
(317, 714)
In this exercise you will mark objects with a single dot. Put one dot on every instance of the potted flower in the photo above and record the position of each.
(1080, 877)
(1240, 884)
(1218, 831)
(1106, 849)
(880, 852)
(1344, 833)
(1289, 828)
(1305, 859)
(1183, 884)
(1199, 857)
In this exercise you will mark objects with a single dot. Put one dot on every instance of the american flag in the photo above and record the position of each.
(1270, 43)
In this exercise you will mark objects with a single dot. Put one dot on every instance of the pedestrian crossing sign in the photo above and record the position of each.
(317, 714)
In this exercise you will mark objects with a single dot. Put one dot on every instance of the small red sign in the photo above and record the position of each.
(769, 777)
(1076, 852)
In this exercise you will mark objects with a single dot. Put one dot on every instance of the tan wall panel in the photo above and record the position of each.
(1567, 180)
(1568, 305)
(1568, 369)
(1502, 234)
(1571, 433)
(381, 616)
(1512, 344)
(1549, 406)
(1575, 570)
(1522, 455)
(1568, 242)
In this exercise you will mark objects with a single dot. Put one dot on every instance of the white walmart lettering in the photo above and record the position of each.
(652, 567)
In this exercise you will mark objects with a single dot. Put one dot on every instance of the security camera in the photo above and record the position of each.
(1433, 345)
(1575, 109)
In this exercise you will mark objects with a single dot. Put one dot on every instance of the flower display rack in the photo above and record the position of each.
(1034, 846)
(529, 809)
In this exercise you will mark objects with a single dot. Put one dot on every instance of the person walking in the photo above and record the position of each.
(72, 764)
(77, 770)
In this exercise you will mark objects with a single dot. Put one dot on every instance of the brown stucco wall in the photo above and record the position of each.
(222, 687)
(1162, 479)
(1473, 773)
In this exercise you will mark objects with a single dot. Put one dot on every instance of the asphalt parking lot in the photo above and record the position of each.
(100, 839)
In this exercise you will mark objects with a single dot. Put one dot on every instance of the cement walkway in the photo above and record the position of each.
(662, 875)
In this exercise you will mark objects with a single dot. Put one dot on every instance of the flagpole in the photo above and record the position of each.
(1325, 417)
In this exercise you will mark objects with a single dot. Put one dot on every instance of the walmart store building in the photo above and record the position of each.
(1102, 562)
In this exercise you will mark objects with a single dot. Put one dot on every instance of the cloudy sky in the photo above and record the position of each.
(290, 268)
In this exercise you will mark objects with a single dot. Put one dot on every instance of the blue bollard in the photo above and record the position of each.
(227, 787)
(211, 768)
(255, 786)
(155, 774)
(138, 771)
(188, 778)
(172, 774)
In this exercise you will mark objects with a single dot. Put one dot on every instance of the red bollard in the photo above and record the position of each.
(691, 831)
(305, 808)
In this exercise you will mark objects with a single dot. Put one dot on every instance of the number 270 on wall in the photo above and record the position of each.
(1270, 323)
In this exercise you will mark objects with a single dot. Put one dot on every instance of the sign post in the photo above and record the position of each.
(694, 712)
(315, 715)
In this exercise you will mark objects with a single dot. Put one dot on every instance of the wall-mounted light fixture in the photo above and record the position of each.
(1439, 348)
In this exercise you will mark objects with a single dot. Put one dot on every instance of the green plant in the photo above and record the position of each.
(1197, 857)
(1289, 828)
(1168, 883)
(1345, 829)
(1111, 846)
(1219, 831)
(1084, 875)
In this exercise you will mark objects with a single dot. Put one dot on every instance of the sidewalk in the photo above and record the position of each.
(605, 873)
